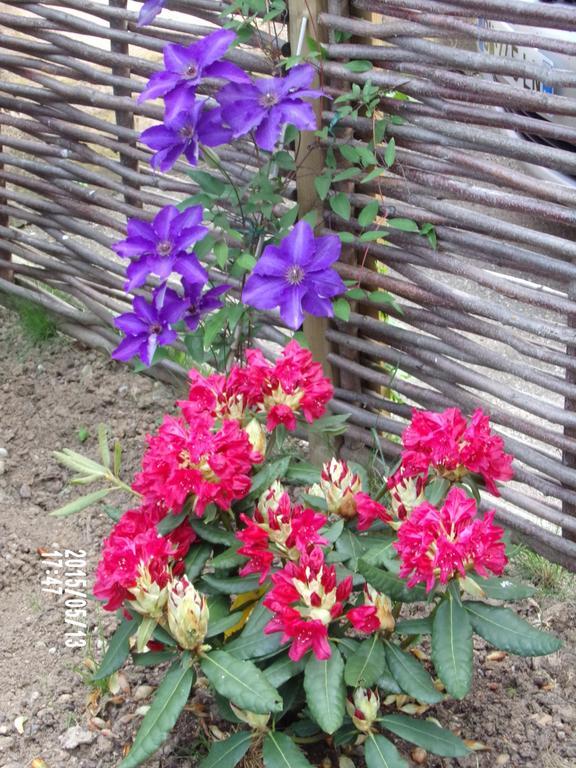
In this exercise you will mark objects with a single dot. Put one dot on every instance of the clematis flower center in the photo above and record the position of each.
(164, 248)
(155, 328)
(187, 131)
(295, 275)
(268, 99)
(191, 71)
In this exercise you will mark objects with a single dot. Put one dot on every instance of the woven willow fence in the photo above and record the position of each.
(486, 154)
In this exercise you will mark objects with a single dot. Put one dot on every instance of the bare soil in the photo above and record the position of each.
(522, 710)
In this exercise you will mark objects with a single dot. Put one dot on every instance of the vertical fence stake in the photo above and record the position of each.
(5, 256)
(569, 458)
(124, 118)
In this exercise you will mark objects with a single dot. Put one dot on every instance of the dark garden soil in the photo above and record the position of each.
(523, 711)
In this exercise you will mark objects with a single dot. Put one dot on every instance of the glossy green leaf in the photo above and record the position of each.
(414, 627)
(196, 559)
(152, 658)
(167, 704)
(252, 643)
(274, 470)
(381, 753)
(279, 751)
(501, 588)
(368, 213)
(390, 584)
(213, 533)
(323, 184)
(118, 648)
(503, 629)
(241, 682)
(325, 690)
(411, 675)
(452, 649)
(425, 734)
(405, 225)
(228, 753)
(283, 669)
(341, 309)
(340, 204)
(170, 523)
(234, 585)
(365, 667)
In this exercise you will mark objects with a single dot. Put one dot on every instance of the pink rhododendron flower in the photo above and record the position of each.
(453, 447)
(222, 397)
(186, 459)
(369, 511)
(439, 544)
(281, 529)
(375, 615)
(305, 598)
(135, 551)
(294, 385)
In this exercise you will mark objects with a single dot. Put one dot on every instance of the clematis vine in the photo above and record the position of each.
(296, 276)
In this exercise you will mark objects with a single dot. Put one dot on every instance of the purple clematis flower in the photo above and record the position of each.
(185, 66)
(183, 135)
(150, 9)
(267, 104)
(296, 276)
(148, 327)
(201, 304)
(159, 247)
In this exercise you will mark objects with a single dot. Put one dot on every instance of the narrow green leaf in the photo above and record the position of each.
(381, 753)
(272, 471)
(241, 682)
(228, 559)
(360, 65)
(325, 690)
(425, 734)
(228, 753)
(405, 225)
(118, 649)
(103, 443)
(390, 584)
(213, 533)
(390, 152)
(503, 629)
(414, 627)
(279, 751)
(386, 682)
(372, 235)
(411, 675)
(368, 213)
(365, 667)
(117, 460)
(82, 503)
(501, 588)
(196, 559)
(252, 643)
(214, 325)
(349, 153)
(166, 706)
(341, 205)
(217, 626)
(347, 173)
(235, 585)
(152, 658)
(452, 649)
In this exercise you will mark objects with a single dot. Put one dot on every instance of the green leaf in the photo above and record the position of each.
(228, 559)
(196, 559)
(341, 309)
(349, 153)
(118, 649)
(390, 584)
(228, 753)
(302, 473)
(152, 658)
(405, 225)
(103, 443)
(221, 253)
(170, 523)
(351, 546)
(411, 675)
(341, 205)
(414, 627)
(279, 751)
(390, 152)
(235, 585)
(386, 682)
(325, 690)
(323, 184)
(166, 706)
(452, 649)
(365, 666)
(503, 629)
(356, 294)
(501, 588)
(436, 490)
(371, 236)
(380, 552)
(425, 734)
(213, 533)
(252, 642)
(82, 503)
(359, 65)
(382, 297)
(219, 625)
(374, 173)
(117, 458)
(347, 173)
(346, 237)
(272, 471)
(381, 753)
(241, 682)
(283, 669)
(246, 261)
(368, 213)
(210, 184)
(214, 325)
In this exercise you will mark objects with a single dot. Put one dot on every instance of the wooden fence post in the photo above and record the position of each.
(5, 256)
(124, 118)
(310, 163)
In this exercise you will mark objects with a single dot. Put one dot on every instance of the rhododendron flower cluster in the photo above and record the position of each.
(439, 544)
(375, 615)
(452, 447)
(278, 529)
(305, 599)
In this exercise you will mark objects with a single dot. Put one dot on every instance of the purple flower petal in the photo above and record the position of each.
(190, 268)
(190, 217)
(146, 311)
(148, 348)
(211, 132)
(300, 76)
(129, 348)
(269, 130)
(298, 113)
(299, 243)
(214, 46)
(158, 137)
(315, 305)
(159, 85)
(327, 251)
(150, 9)
(264, 292)
(137, 273)
(131, 324)
(180, 99)
(163, 221)
(327, 283)
(227, 71)
(133, 246)
(165, 159)
(291, 307)
(139, 228)
(177, 58)
(189, 236)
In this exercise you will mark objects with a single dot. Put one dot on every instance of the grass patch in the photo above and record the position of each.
(550, 579)
(37, 325)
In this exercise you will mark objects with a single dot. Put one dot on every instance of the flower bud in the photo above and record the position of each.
(339, 486)
(270, 499)
(149, 597)
(363, 708)
(257, 436)
(383, 606)
(256, 722)
(406, 493)
(187, 614)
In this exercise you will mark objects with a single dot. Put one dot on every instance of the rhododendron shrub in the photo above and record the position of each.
(301, 594)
